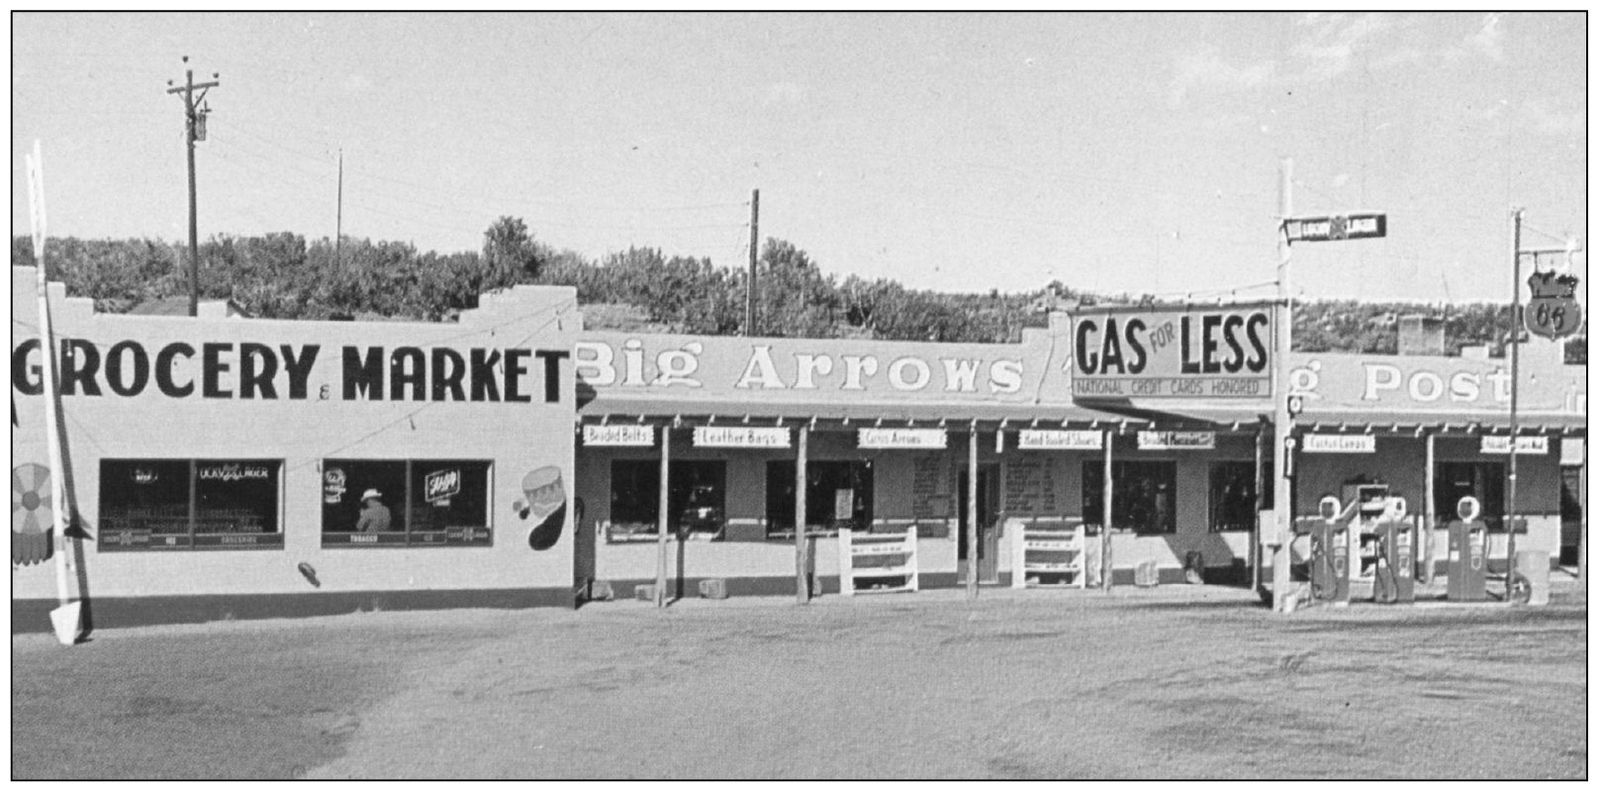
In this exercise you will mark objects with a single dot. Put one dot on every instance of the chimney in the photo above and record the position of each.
(1417, 334)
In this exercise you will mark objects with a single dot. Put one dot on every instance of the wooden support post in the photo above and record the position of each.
(973, 511)
(1254, 554)
(1106, 510)
(1427, 541)
(801, 590)
(1584, 512)
(662, 521)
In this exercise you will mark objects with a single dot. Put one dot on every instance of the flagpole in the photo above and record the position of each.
(66, 616)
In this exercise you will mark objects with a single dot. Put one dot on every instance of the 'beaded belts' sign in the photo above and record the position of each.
(901, 438)
(742, 437)
(1059, 439)
(619, 435)
(1161, 441)
(1338, 444)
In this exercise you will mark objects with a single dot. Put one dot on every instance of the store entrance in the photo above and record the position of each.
(989, 486)
(1481, 480)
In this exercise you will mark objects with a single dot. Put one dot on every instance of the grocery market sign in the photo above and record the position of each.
(1216, 353)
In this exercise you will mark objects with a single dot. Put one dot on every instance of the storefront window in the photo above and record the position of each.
(1232, 496)
(406, 503)
(189, 504)
(839, 495)
(696, 494)
(1143, 495)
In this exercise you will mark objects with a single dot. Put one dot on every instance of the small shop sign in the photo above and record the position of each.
(901, 438)
(742, 437)
(1059, 439)
(619, 435)
(1497, 444)
(1338, 443)
(1171, 441)
(1572, 451)
(333, 485)
(844, 503)
(235, 472)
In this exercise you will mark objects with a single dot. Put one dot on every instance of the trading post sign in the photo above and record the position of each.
(1222, 352)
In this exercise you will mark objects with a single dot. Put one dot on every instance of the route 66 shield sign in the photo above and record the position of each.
(1553, 311)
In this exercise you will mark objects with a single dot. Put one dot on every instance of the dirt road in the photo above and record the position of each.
(1174, 682)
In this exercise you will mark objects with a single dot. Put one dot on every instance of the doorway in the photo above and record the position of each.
(989, 489)
(1482, 480)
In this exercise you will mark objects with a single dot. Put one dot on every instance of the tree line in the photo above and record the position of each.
(284, 275)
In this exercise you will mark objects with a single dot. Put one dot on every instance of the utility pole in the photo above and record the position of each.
(194, 121)
(750, 281)
(339, 212)
(1283, 516)
(1513, 407)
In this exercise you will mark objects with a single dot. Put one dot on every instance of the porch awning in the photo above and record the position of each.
(1533, 422)
(1185, 414)
(921, 413)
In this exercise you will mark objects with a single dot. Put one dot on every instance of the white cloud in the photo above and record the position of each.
(786, 93)
(1207, 70)
(1328, 51)
(1485, 40)
(1488, 39)
(357, 83)
(1325, 51)
(1399, 57)
(1547, 116)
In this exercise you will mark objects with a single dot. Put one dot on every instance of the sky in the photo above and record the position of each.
(1115, 152)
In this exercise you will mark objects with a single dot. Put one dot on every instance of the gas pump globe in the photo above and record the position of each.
(1329, 508)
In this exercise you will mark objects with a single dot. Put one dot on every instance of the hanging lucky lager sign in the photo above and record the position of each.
(1368, 225)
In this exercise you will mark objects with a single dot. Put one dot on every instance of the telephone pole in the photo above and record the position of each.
(750, 281)
(339, 212)
(194, 129)
(1284, 517)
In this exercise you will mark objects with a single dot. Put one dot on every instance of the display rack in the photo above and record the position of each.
(1048, 556)
(880, 563)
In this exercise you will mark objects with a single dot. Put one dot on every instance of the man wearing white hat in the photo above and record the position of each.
(375, 515)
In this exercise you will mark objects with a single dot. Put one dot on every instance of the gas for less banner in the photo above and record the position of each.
(1200, 353)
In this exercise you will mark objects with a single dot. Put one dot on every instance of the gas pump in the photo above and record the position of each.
(1328, 535)
(1465, 553)
(1393, 570)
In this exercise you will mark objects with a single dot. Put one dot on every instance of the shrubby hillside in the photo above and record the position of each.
(283, 275)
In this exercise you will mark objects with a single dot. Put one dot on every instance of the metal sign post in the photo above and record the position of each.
(1331, 228)
(1513, 410)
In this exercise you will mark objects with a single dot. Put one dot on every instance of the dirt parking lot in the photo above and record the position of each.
(1173, 682)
